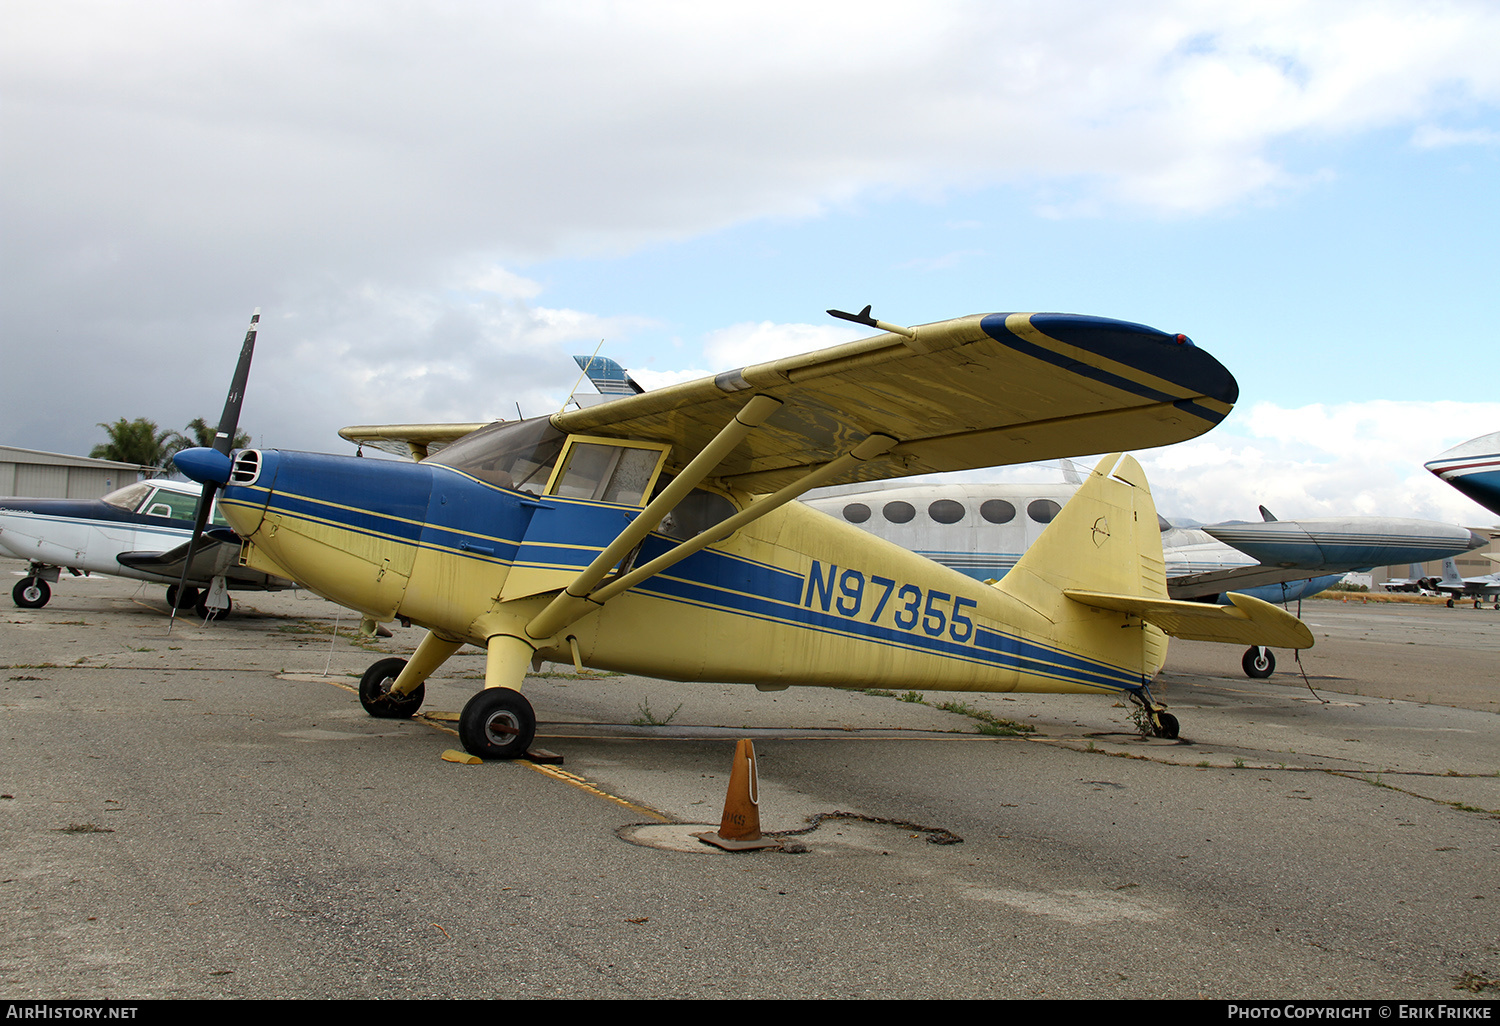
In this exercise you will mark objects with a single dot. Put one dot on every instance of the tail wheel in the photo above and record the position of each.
(1259, 663)
(31, 593)
(497, 723)
(1166, 725)
(375, 692)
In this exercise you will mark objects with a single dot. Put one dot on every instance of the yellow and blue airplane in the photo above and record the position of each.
(655, 533)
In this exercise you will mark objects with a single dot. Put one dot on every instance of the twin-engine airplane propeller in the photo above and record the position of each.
(656, 534)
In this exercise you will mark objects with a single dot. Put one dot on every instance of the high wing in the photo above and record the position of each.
(978, 391)
(216, 554)
(417, 441)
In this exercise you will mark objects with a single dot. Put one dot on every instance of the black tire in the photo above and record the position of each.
(1450, 603)
(205, 613)
(375, 692)
(497, 723)
(1166, 725)
(188, 600)
(1259, 663)
(31, 593)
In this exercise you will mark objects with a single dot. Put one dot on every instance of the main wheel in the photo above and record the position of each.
(31, 593)
(497, 723)
(1259, 662)
(375, 691)
(187, 600)
(205, 612)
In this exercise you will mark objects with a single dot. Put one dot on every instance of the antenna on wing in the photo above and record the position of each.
(863, 317)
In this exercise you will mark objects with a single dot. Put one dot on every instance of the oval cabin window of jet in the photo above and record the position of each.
(997, 511)
(856, 512)
(899, 512)
(946, 511)
(1042, 510)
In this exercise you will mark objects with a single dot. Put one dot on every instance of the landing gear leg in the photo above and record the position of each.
(499, 723)
(1259, 662)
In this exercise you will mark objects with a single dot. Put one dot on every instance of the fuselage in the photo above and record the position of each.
(795, 597)
(89, 535)
(1473, 468)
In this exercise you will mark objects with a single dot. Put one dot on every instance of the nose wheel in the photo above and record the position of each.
(187, 598)
(497, 723)
(31, 593)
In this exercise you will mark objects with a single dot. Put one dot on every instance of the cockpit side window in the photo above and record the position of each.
(697, 512)
(172, 505)
(519, 454)
(607, 470)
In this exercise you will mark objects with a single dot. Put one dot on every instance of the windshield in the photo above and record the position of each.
(519, 454)
(130, 497)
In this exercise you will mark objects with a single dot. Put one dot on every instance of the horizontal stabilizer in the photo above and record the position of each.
(1249, 621)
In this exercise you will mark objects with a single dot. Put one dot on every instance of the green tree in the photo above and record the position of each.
(200, 433)
(135, 441)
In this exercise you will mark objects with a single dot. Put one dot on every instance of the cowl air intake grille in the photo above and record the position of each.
(246, 469)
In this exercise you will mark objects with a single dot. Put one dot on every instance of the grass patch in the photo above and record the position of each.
(646, 718)
(989, 723)
(84, 828)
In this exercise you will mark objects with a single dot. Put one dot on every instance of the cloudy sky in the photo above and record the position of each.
(436, 204)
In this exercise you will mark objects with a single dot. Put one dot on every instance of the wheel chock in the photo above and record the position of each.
(463, 758)
(739, 830)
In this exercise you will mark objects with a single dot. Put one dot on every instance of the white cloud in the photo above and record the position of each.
(375, 175)
(1349, 459)
(1431, 137)
(1354, 459)
(740, 345)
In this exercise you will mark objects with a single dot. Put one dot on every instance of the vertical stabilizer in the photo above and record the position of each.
(1106, 539)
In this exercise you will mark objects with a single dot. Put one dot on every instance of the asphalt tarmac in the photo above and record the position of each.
(209, 813)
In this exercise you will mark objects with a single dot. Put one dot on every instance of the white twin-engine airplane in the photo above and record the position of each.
(139, 531)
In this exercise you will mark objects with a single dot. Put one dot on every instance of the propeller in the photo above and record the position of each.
(229, 422)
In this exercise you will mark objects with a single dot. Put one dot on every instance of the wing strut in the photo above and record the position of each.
(751, 416)
(580, 597)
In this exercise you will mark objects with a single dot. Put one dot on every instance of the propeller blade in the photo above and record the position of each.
(229, 423)
(229, 420)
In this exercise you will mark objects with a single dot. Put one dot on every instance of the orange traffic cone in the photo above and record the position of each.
(739, 829)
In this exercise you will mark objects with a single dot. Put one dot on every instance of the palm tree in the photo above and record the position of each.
(201, 434)
(135, 441)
